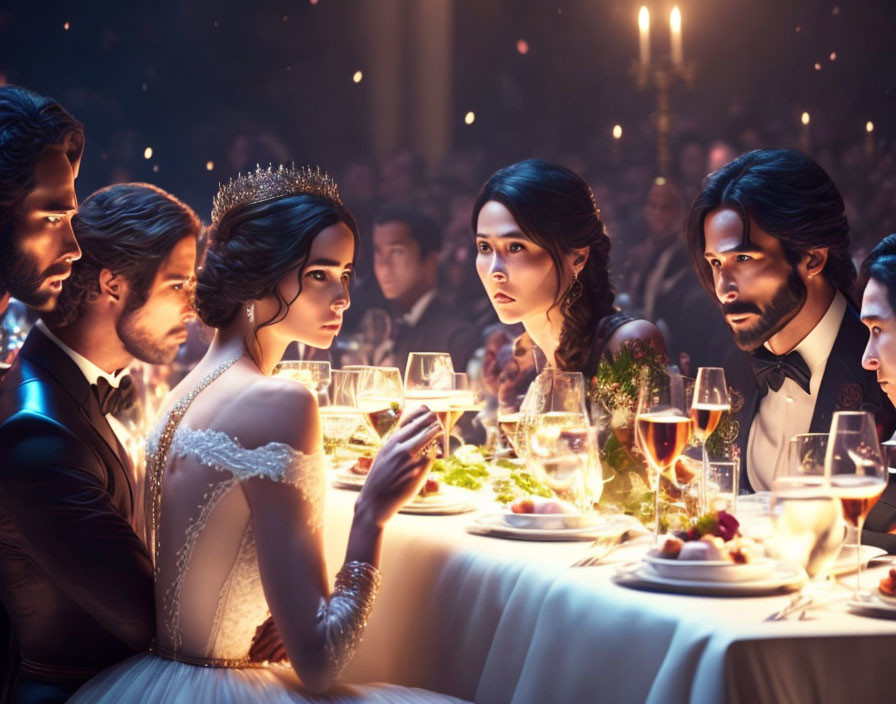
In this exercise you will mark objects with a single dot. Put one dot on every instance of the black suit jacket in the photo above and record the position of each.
(439, 329)
(845, 386)
(75, 578)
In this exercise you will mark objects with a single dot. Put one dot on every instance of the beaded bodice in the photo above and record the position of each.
(209, 596)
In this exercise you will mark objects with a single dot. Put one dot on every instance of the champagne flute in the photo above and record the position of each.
(662, 426)
(854, 462)
(380, 394)
(709, 403)
(339, 412)
(429, 381)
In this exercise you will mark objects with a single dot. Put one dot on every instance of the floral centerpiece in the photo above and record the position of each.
(613, 397)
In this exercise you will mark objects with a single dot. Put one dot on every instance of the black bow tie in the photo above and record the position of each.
(770, 370)
(114, 399)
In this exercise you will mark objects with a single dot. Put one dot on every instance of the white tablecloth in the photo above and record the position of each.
(498, 621)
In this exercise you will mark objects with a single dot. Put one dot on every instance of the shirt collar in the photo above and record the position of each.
(815, 348)
(412, 317)
(90, 371)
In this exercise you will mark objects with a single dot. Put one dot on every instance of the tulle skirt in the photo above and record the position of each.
(150, 679)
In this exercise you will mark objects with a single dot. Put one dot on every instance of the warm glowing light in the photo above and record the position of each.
(147, 153)
(833, 56)
(675, 39)
(155, 168)
(804, 118)
(869, 126)
(817, 66)
(522, 46)
(314, 2)
(357, 76)
(675, 19)
(209, 165)
(617, 131)
(644, 18)
(66, 26)
(470, 117)
(659, 181)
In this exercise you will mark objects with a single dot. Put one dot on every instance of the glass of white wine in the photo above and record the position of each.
(315, 374)
(339, 412)
(662, 425)
(710, 401)
(429, 381)
(854, 462)
(380, 395)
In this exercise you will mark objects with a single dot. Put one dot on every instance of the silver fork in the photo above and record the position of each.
(601, 548)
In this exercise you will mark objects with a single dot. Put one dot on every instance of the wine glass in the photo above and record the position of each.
(380, 394)
(710, 401)
(563, 456)
(313, 374)
(662, 425)
(806, 453)
(807, 520)
(858, 476)
(429, 381)
(339, 412)
(467, 396)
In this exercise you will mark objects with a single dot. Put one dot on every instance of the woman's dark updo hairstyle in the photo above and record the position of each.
(555, 209)
(255, 246)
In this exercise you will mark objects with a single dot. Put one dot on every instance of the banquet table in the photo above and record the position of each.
(494, 620)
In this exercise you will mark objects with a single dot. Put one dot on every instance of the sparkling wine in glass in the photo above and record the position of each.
(429, 381)
(380, 395)
(808, 522)
(709, 402)
(662, 425)
(858, 476)
(339, 412)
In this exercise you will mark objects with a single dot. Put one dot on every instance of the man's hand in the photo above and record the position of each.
(266, 645)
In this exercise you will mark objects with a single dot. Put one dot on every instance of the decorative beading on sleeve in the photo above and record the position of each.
(344, 617)
(275, 461)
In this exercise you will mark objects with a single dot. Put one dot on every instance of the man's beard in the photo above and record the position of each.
(141, 343)
(785, 304)
(23, 281)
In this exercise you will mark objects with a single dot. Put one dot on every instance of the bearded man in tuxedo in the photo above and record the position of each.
(769, 238)
(75, 576)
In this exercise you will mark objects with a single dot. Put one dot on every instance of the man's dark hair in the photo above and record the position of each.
(880, 265)
(129, 229)
(791, 198)
(424, 229)
(28, 124)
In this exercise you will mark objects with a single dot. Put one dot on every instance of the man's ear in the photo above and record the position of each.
(815, 260)
(111, 285)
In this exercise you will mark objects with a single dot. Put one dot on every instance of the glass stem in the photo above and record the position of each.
(702, 497)
(656, 513)
(859, 525)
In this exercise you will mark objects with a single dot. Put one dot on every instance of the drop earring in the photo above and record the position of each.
(250, 312)
(574, 292)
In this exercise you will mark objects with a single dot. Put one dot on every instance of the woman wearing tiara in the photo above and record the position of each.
(542, 254)
(236, 477)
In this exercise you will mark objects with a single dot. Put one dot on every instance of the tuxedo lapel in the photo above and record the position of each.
(46, 354)
(750, 390)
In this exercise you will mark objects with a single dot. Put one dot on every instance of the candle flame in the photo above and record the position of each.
(617, 131)
(869, 126)
(644, 18)
(209, 165)
(675, 19)
(470, 117)
(357, 76)
(805, 118)
(147, 153)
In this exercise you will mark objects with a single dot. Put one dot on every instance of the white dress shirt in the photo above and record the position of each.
(92, 372)
(789, 410)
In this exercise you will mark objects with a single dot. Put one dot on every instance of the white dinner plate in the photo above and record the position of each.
(785, 577)
(549, 521)
(711, 570)
(846, 559)
(448, 500)
(494, 525)
(345, 478)
(873, 604)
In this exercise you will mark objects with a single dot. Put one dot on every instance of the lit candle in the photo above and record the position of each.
(644, 27)
(869, 139)
(805, 138)
(675, 25)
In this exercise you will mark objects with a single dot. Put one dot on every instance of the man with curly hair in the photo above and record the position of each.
(75, 575)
